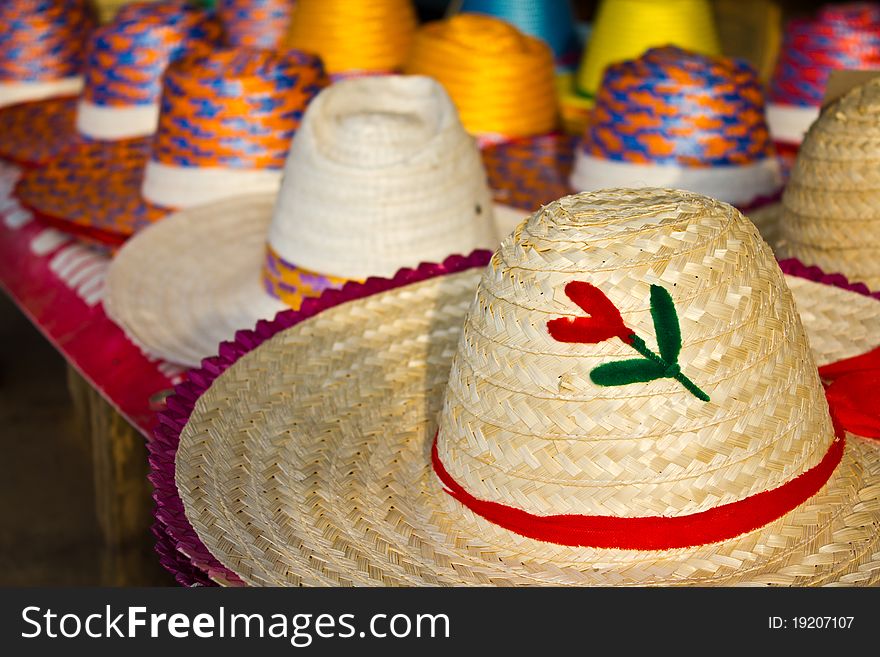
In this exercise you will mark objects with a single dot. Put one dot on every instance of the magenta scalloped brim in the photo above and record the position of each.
(179, 547)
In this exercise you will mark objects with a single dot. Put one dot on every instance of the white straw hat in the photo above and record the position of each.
(380, 175)
(632, 400)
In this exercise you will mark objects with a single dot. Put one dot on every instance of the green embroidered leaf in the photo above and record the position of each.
(624, 372)
(665, 324)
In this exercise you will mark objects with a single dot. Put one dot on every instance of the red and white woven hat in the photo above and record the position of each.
(380, 175)
(124, 62)
(630, 397)
(42, 49)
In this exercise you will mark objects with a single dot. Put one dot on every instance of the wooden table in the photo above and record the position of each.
(116, 390)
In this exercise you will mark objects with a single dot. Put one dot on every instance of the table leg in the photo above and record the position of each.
(122, 492)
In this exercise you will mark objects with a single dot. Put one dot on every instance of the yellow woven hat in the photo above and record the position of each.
(830, 211)
(352, 36)
(501, 80)
(632, 399)
(624, 29)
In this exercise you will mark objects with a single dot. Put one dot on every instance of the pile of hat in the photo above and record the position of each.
(521, 337)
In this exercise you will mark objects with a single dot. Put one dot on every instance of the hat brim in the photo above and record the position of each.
(306, 459)
(93, 191)
(34, 132)
(187, 283)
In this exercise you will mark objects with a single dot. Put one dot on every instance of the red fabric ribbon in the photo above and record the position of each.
(652, 532)
(852, 391)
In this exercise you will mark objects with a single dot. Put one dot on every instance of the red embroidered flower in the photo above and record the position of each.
(604, 321)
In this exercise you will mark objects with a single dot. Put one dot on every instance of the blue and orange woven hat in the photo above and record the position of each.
(674, 118)
(845, 36)
(42, 48)
(225, 126)
(255, 23)
(124, 63)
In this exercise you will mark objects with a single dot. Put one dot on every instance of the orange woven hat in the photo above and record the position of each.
(354, 37)
(42, 48)
(225, 125)
(501, 80)
(626, 394)
(120, 98)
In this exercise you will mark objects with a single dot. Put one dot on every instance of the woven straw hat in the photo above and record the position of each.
(381, 175)
(501, 80)
(354, 37)
(120, 96)
(624, 29)
(255, 23)
(843, 36)
(632, 399)
(829, 211)
(225, 127)
(41, 49)
(673, 118)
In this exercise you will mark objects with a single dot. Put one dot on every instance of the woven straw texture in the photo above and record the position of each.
(381, 175)
(831, 205)
(501, 80)
(336, 488)
(353, 36)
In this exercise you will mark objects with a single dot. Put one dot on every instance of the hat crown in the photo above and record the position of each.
(380, 176)
(126, 58)
(845, 36)
(255, 23)
(501, 80)
(42, 40)
(382, 125)
(353, 36)
(640, 111)
(624, 29)
(576, 386)
(552, 21)
(234, 108)
(829, 213)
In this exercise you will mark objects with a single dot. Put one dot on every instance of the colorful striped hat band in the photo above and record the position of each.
(125, 63)
(380, 173)
(501, 80)
(226, 122)
(843, 36)
(41, 48)
(255, 23)
(672, 118)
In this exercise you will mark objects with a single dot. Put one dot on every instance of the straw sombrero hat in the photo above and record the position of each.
(255, 23)
(624, 29)
(839, 37)
(501, 80)
(225, 126)
(552, 21)
(120, 98)
(673, 118)
(41, 49)
(829, 211)
(354, 37)
(381, 175)
(632, 399)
